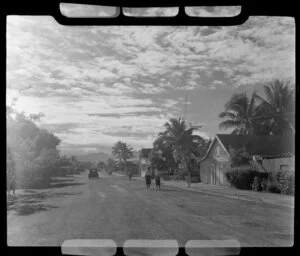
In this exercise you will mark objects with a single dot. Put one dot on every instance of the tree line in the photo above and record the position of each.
(32, 156)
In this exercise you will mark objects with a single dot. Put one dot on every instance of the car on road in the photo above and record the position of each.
(93, 173)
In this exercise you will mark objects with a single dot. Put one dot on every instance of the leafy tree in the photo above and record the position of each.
(241, 113)
(36, 117)
(278, 108)
(162, 156)
(101, 165)
(110, 164)
(117, 151)
(182, 141)
(239, 156)
(74, 164)
(34, 149)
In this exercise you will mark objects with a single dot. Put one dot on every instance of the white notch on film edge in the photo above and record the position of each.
(144, 243)
(231, 243)
(89, 247)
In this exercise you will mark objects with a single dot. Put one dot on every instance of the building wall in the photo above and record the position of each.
(144, 164)
(277, 164)
(213, 168)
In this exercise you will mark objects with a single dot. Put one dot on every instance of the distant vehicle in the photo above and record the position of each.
(93, 173)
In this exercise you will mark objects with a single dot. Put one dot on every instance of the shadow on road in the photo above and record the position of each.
(55, 180)
(34, 201)
(26, 209)
(65, 184)
(166, 190)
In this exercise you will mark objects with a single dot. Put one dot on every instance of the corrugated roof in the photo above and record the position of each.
(259, 145)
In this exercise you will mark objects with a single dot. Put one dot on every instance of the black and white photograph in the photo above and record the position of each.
(127, 134)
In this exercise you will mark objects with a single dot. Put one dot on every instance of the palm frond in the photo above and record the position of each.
(251, 107)
(227, 114)
(229, 124)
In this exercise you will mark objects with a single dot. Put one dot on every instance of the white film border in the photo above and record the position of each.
(90, 247)
(151, 247)
(212, 247)
(134, 247)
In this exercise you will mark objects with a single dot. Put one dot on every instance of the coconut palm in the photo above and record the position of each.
(241, 113)
(117, 151)
(122, 151)
(278, 107)
(182, 140)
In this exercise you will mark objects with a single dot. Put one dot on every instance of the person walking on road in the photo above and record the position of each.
(148, 178)
(157, 179)
(130, 172)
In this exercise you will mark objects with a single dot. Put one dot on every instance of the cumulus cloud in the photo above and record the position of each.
(101, 78)
(214, 11)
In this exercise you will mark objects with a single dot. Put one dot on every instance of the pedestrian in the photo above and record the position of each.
(130, 174)
(157, 179)
(148, 178)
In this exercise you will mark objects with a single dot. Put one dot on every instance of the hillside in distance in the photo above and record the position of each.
(100, 156)
(93, 157)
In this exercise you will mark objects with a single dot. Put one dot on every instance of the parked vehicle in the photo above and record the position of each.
(93, 173)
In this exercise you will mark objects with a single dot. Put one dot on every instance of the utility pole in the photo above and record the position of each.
(185, 99)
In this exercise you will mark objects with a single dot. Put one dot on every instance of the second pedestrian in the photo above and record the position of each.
(148, 178)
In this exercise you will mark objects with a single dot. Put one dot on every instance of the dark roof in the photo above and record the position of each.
(145, 152)
(260, 145)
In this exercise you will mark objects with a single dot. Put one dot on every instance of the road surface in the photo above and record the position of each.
(114, 207)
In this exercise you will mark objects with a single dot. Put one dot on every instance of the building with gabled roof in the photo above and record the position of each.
(275, 153)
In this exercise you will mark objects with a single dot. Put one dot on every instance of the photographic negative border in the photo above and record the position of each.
(51, 8)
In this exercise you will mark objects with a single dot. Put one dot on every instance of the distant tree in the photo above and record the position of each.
(101, 165)
(74, 164)
(110, 164)
(123, 152)
(36, 117)
(117, 151)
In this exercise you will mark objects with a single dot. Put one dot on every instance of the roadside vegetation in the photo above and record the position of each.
(271, 114)
(32, 156)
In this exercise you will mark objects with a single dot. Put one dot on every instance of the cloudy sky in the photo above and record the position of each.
(98, 85)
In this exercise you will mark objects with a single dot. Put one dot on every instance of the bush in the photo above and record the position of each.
(260, 182)
(279, 182)
(285, 182)
(273, 187)
(241, 178)
(256, 185)
(264, 184)
(239, 156)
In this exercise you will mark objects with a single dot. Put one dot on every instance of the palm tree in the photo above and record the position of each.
(241, 113)
(278, 107)
(122, 151)
(117, 152)
(182, 140)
